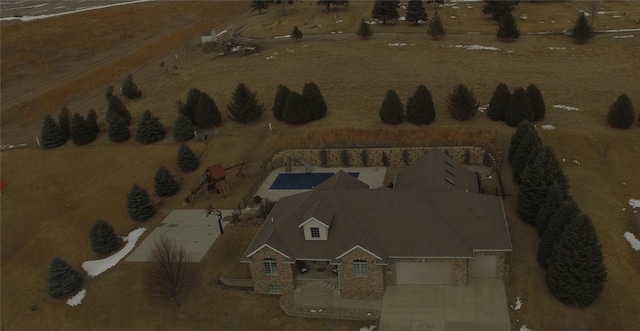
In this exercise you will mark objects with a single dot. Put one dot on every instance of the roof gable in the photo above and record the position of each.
(342, 181)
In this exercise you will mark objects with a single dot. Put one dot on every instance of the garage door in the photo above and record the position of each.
(432, 273)
(482, 266)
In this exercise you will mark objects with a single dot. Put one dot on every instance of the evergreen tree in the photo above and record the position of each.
(282, 93)
(507, 28)
(499, 102)
(529, 147)
(577, 274)
(296, 34)
(621, 113)
(391, 111)
(139, 204)
(416, 12)
(558, 221)
(498, 8)
(81, 131)
(294, 111)
(462, 104)
(420, 109)
(150, 130)
(364, 30)
(436, 29)
(187, 160)
(536, 180)
(537, 102)
(51, 134)
(183, 129)
(517, 137)
(64, 120)
(259, 5)
(519, 108)
(130, 89)
(63, 279)
(314, 101)
(103, 238)
(118, 130)
(206, 113)
(165, 184)
(552, 202)
(115, 106)
(582, 31)
(92, 120)
(385, 10)
(244, 106)
(188, 108)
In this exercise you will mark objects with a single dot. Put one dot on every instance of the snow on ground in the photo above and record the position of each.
(402, 18)
(477, 47)
(77, 299)
(517, 305)
(567, 108)
(548, 127)
(483, 108)
(96, 267)
(400, 44)
(577, 162)
(631, 238)
(525, 328)
(557, 47)
(281, 37)
(634, 203)
(39, 17)
(223, 31)
(370, 328)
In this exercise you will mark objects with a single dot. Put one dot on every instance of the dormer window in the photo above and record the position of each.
(315, 232)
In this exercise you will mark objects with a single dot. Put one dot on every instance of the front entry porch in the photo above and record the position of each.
(307, 271)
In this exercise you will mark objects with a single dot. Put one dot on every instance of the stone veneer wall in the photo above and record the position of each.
(369, 288)
(261, 281)
(460, 267)
(501, 261)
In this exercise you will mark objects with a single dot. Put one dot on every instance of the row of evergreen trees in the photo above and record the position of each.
(569, 248)
(518, 106)
(81, 130)
(294, 108)
(420, 109)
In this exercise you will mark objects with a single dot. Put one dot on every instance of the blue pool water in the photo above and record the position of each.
(289, 181)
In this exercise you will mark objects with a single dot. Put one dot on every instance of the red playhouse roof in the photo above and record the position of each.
(216, 171)
(2, 184)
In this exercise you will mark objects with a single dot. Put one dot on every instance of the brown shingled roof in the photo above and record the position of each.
(436, 171)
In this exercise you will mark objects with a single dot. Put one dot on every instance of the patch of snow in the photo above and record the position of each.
(631, 238)
(96, 267)
(616, 16)
(618, 30)
(553, 21)
(540, 22)
(27, 18)
(525, 328)
(548, 127)
(339, 21)
(577, 162)
(281, 37)
(270, 57)
(567, 108)
(634, 203)
(235, 49)
(517, 305)
(397, 44)
(402, 18)
(223, 31)
(605, 12)
(470, 7)
(420, 22)
(477, 47)
(557, 47)
(370, 328)
(77, 299)
(403, 7)
(623, 37)
(483, 108)
(291, 50)
(452, 17)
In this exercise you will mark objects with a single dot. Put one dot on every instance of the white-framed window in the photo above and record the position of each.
(274, 289)
(270, 266)
(315, 232)
(360, 268)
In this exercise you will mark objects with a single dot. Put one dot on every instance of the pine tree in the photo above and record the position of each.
(537, 102)
(416, 12)
(558, 221)
(259, 5)
(498, 8)
(536, 180)
(462, 104)
(621, 113)
(507, 28)
(64, 120)
(296, 34)
(165, 184)
(103, 238)
(150, 130)
(552, 202)
(420, 108)
(517, 137)
(187, 160)
(183, 129)
(92, 120)
(364, 30)
(391, 111)
(582, 31)
(206, 113)
(115, 106)
(130, 89)
(530, 146)
(386, 10)
(314, 101)
(499, 102)
(118, 130)
(81, 131)
(63, 279)
(519, 108)
(577, 273)
(188, 108)
(294, 111)
(51, 134)
(436, 29)
(244, 106)
(139, 204)
(282, 93)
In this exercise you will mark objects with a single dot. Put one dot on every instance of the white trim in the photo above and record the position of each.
(362, 248)
(506, 224)
(267, 245)
(312, 219)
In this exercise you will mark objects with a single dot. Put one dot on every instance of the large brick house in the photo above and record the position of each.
(433, 227)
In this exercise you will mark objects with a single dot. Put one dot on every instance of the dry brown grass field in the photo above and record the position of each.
(54, 196)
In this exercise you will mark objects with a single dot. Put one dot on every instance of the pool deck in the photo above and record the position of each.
(372, 176)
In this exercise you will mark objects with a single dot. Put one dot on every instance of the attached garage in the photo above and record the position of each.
(428, 273)
(483, 266)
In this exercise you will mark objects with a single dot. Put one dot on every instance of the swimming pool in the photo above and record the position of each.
(298, 181)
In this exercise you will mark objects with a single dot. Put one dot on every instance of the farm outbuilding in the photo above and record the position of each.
(208, 36)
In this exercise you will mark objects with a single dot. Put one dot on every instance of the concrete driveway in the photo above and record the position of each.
(480, 306)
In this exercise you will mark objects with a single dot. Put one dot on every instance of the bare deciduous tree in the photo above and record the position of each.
(172, 270)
